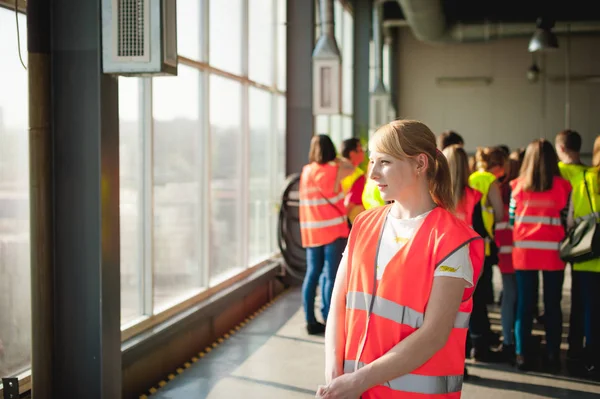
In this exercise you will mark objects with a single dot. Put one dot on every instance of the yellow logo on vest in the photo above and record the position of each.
(449, 269)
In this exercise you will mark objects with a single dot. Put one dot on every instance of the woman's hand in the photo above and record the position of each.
(345, 386)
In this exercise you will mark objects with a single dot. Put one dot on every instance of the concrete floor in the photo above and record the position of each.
(272, 356)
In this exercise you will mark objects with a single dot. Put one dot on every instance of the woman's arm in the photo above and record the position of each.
(495, 199)
(335, 336)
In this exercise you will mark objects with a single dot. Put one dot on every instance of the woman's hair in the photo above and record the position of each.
(322, 149)
(488, 157)
(540, 166)
(406, 139)
(458, 164)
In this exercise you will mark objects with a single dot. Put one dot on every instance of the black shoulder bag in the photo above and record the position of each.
(582, 242)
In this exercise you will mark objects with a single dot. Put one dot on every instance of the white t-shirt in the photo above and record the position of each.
(397, 232)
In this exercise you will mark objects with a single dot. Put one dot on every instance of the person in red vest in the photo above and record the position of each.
(323, 224)
(538, 213)
(400, 309)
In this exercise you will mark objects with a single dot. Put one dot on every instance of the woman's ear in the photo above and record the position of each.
(422, 162)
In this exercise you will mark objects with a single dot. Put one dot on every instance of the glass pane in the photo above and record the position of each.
(385, 62)
(322, 124)
(279, 171)
(225, 25)
(281, 44)
(15, 289)
(338, 11)
(347, 64)
(262, 27)
(346, 129)
(131, 182)
(226, 178)
(177, 168)
(188, 29)
(336, 131)
(260, 161)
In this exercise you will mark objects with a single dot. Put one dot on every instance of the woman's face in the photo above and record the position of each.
(395, 178)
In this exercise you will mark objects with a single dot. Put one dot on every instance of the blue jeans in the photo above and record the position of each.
(526, 282)
(591, 300)
(326, 259)
(509, 303)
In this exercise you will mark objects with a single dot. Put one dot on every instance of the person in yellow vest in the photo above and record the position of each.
(371, 196)
(585, 203)
(402, 297)
(323, 224)
(354, 184)
(568, 145)
(490, 166)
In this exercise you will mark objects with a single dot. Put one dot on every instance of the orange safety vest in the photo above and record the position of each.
(379, 316)
(504, 242)
(322, 211)
(465, 209)
(537, 229)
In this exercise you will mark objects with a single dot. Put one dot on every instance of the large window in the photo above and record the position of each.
(202, 157)
(15, 293)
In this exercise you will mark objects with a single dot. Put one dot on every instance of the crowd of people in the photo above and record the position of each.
(405, 252)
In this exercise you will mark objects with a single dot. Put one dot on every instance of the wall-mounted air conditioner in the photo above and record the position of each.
(139, 37)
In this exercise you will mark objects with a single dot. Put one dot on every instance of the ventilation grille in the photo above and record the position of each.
(132, 34)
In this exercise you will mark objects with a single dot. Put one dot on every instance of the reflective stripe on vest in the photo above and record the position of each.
(545, 220)
(595, 215)
(322, 201)
(502, 226)
(537, 245)
(392, 311)
(322, 223)
(505, 249)
(425, 384)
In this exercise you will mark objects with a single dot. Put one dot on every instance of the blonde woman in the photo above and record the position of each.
(402, 297)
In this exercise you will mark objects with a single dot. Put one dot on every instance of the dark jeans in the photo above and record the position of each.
(526, 282)
(590, 282)
(326, 259)
(479, 324)
(575, 338)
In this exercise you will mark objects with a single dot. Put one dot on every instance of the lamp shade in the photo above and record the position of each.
(543, 40)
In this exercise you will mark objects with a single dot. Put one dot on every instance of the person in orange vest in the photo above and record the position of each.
(538, 209)
(504, 242)
(323, 224)
(402, 297)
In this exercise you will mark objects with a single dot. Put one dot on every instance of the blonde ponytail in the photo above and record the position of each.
(440, 183)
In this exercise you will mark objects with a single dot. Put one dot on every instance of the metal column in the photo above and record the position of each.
(78, 182)
(300, 43)
(360, 80)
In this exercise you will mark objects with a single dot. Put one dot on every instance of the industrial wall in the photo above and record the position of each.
(510, 110)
